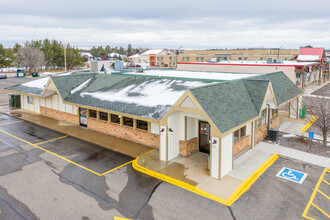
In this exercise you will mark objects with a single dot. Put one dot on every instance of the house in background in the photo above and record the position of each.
(177, 115)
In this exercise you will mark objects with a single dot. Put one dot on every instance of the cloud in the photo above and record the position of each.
(192, 24)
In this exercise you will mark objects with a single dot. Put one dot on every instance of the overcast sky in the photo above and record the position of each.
(190, 24)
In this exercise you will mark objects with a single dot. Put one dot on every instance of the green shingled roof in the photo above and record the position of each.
(257, 90)
(227, 104)
(284, 89)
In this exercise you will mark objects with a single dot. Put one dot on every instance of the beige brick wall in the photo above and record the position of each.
(127, 133)
(241, 145)
(260, 134)
(188, 147)
(276, 122)
(63, 116)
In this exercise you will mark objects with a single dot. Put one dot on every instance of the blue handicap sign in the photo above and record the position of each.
(311, 135)
(292, 175)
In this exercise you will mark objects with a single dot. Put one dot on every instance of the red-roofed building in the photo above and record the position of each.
(307, 54)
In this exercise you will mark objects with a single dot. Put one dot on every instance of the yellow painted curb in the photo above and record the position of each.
(309, 124)
(120, 218)
(232, 198)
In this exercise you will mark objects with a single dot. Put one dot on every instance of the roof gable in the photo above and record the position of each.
(257, 90)
(227, 104)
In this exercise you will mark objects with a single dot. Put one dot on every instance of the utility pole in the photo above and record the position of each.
(278, 51)
(64, 58)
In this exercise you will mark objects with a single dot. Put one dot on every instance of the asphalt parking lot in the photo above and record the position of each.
(45, 174)
(36, 184)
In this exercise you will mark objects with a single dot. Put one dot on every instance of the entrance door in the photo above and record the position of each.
(83, 117)
(204, 137)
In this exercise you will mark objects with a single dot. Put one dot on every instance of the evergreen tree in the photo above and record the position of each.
(129, 48)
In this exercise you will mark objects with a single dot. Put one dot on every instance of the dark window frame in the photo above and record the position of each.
(125, 122)
(104, 113)
(91, 112)
(138, 125)
(112, 116)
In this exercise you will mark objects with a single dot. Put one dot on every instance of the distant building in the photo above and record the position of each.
(149, 56)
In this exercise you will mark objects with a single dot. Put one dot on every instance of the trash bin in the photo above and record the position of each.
(273, 134)
(20, 73)
(35, 74)
(14, 100)
(302, 113)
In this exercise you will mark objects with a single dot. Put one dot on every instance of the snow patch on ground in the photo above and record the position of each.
(39, 83)
(289, 135)
(81, 86)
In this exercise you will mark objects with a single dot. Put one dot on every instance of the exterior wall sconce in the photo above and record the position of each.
(214, 141)
(162, 130)
(170, 130)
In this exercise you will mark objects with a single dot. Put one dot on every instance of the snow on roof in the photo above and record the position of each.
(117, 54)
(152, 51)
(135, 56)
(307, 57)
(193, 74)
(86, 54)
(151, 93)
(39, 83)
(81, 86)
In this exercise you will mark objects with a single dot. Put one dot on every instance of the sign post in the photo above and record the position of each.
(311, 137)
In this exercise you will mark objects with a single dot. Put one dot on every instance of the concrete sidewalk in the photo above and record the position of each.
(116, 144)
(294, 154)
(193, 171)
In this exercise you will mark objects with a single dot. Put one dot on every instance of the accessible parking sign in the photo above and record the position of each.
(292, 175)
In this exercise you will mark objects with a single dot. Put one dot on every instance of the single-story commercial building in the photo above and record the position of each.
(177, 115)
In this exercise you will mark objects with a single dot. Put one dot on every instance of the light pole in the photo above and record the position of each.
(64, 58)
(176, 58)
(278, 51)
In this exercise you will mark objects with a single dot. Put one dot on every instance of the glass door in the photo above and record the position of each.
(204, 137)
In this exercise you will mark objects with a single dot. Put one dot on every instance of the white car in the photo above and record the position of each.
(3, 76)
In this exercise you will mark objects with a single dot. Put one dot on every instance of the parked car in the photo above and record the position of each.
(3, 76)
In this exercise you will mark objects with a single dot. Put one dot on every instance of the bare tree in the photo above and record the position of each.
(319, 107)
(30, 57)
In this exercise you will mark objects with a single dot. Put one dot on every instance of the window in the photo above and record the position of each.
(308, 76)
(115, 119)
(298, 78)
(182, 59)
(170, 58)
(143, 125)
(274, 113)
(162, 63)
(92, 114)
(173, 64)
(170, 64)
(103, 116)
(197, 58)
(157, 63)
(239, 134)
(261, 121)
(202, 59)
(239, 58)
(128, 121)
(246, 58)
(30, 99)
(188, 59)
(158, 58)
(162, 58)
(261, 58)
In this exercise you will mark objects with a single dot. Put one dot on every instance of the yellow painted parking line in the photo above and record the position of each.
(309, 124)
(120, 218)
(116, 168)
(232, 198)
(321, 210)
(12, 123)
(52, 140)
(326, 182)
(324, 194)
(70, 161)
(310, 202)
